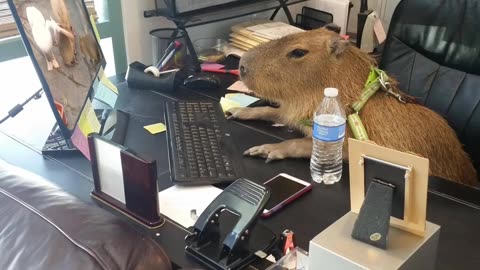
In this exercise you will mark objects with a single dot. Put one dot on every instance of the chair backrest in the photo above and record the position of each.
(433, 49)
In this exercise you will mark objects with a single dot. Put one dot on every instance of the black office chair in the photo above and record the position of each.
(433, 49)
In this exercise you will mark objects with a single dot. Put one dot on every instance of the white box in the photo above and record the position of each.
(334, 248)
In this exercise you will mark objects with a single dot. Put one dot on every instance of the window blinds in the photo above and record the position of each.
(7, 24)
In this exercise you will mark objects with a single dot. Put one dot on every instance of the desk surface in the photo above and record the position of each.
(454, 207)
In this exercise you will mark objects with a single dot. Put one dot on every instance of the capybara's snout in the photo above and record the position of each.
(249, 66)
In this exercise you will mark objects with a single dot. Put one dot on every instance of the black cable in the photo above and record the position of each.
(19, 107)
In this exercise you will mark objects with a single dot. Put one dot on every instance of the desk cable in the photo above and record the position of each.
(19, 107)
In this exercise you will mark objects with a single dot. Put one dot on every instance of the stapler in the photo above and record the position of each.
(247, 200)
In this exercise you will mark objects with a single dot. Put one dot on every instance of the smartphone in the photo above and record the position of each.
(284, 189)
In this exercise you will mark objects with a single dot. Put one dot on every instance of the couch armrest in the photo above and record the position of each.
(43, 227)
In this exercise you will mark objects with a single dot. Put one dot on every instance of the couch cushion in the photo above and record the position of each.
(43, 227)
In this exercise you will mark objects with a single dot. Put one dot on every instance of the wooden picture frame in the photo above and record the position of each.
(416, 184)
(125, 182)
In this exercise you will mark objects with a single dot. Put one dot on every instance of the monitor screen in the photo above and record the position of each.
(60, 40)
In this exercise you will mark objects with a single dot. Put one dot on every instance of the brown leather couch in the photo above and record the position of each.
(43, 227)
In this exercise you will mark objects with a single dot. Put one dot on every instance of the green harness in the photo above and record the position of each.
(376, 79)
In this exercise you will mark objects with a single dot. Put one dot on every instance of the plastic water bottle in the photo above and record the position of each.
(328, 134)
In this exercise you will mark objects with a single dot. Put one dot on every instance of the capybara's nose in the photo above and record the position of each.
(243, 70)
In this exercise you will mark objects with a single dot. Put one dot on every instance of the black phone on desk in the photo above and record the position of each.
(284, 189)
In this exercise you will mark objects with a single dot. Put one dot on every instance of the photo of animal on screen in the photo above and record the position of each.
(64, 48)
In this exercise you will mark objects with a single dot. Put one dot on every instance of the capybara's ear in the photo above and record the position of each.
(338, 45)
(333, 27)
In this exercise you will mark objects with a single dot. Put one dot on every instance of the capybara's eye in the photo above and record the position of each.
(297, 53)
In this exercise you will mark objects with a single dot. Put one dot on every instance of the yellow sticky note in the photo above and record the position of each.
(227, 104)
(241, 99)
(155, 128)
(106, 81)
(88, 121)
(94, 26)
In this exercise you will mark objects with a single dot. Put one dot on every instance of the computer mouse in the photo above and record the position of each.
(202, 81)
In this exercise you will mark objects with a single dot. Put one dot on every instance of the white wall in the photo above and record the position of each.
(390, 6)
(139, 43)
(384, 9)
(137, 28)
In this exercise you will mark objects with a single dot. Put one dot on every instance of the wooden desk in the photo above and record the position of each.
(454, 207)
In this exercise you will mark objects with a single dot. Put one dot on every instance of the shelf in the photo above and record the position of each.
(221, 12)
(216, 14)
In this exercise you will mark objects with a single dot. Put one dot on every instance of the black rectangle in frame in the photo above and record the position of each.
(391, 174)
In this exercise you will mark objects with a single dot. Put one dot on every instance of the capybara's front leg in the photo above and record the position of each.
(295, 148)
(256, 113)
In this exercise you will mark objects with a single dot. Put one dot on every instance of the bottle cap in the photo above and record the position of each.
(330, 92)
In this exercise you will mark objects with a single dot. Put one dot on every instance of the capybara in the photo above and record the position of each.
(89, 48)
(294, 70)
(66, 38)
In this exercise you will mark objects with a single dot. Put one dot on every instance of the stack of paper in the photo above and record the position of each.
(247, 35)
(185, 204)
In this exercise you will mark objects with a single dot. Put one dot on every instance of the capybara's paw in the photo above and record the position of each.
(239, 113)
(268, 151)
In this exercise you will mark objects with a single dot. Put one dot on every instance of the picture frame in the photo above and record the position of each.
(416, 183)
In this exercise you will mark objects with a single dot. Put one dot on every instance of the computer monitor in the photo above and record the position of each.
(60, 40)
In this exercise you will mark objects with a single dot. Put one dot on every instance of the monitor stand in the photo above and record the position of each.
(56, 144)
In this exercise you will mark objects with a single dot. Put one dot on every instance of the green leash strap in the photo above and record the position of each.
(357, 127)
(369, 91)
(372, 85)
(376, 79)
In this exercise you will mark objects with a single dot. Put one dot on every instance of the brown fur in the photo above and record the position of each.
(89, 49)
(66, 44)
(297, 85)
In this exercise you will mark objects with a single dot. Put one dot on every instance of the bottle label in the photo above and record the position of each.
(328, 133)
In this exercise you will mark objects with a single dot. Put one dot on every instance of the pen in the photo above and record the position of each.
(225, 71)
(169, 53)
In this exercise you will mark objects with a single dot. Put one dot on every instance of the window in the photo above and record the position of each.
(7, 24)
